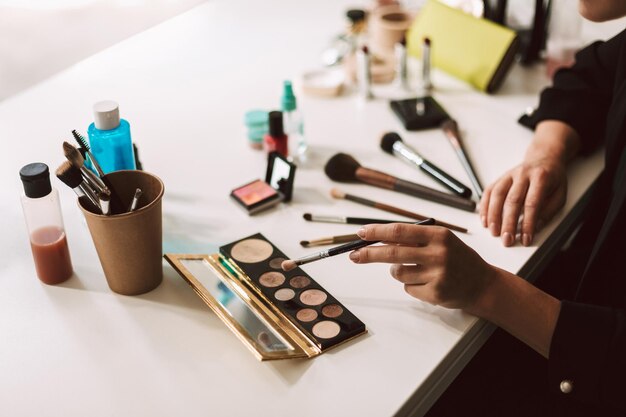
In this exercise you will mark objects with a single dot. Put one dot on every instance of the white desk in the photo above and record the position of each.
(79, 349)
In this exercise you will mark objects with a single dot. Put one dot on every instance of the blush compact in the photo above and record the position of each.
(259, 195)
(276, 314)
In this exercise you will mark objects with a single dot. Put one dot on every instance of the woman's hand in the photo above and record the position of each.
(432, 263)
(535, 190)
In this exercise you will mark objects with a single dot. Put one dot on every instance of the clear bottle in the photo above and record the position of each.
(294, 124)
(109, 138)
(44, 222)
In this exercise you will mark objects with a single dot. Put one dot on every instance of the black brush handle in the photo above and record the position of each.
(357, 244)
(431, 194)
(446, 180)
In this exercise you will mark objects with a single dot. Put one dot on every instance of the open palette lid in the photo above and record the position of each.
(269, 325)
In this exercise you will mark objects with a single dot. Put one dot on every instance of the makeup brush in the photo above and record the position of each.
(133, 204)
(290, 264)
(70, 176)
(344, 168)
(73, 155)
(83, 143)
(336, 193)
(329, 240)
(451, 129)
(348, 220)
(105, 203)
(392, 144)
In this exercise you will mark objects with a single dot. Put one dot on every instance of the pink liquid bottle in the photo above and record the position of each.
(44, 222)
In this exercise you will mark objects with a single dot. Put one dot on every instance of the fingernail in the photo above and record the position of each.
(483, 220)
(526, 239)
(493, 228)
(354, 256)
(507, 239)
(361, 232)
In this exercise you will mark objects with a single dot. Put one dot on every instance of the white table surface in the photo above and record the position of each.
(79, 349)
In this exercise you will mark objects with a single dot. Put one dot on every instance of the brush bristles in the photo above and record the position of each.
(288, 265)
(342, 167)
(336, 193)
(81, 140)
(70, 176)
(307, 216)
(72, 155)
(386, 143)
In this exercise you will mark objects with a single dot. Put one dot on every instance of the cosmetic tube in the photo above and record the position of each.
(44, 223)
(109, 138)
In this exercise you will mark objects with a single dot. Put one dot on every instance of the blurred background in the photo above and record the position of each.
(39, 38)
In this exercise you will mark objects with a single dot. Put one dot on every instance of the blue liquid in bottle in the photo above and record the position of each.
(109, 138)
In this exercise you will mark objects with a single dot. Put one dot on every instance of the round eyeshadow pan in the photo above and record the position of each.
(326, 329)
(284, 294)
(251, 251)
(313, 297)
(306, 315)
(276, 263)
(332, 310)
(299, 282)
(272, 279)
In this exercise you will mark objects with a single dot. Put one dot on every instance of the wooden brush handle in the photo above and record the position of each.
(377, 178)
(431, 194)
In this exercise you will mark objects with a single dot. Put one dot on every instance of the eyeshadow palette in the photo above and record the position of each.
(277, 314)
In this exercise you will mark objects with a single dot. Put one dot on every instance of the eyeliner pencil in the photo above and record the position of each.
(451, 129)
(290, 264)
(391, 209)
(348, 220)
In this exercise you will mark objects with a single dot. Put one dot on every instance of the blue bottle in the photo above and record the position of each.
(109, 138)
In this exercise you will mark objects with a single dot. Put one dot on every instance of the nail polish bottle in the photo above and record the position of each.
(276, 139)
(44, 222)
(109, 138)
(293, 123)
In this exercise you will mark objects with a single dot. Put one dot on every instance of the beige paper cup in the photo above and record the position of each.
(129, 245)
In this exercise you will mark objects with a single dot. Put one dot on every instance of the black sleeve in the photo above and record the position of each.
(581, 95)
(589, 350)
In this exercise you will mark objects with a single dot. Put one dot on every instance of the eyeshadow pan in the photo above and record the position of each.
(313, 297)
(284, 294)
(276, 263)
(326, 329)
(272, 279)
(299, 282)
(306, 315)
(332, 310)
(251, 251)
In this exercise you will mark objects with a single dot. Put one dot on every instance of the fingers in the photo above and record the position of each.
(394, 254)
(512, 209)
(408, 274)
(484, 204)
(407, 234)
(496, 203)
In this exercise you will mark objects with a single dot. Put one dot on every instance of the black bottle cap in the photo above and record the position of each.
(36, 180)
(355, 15)
(276, 124)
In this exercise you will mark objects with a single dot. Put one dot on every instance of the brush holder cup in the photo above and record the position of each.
(129, 244)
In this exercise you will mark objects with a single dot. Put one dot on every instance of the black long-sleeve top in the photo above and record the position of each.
(587, 363)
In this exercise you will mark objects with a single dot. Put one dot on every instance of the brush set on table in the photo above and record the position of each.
(92, 188)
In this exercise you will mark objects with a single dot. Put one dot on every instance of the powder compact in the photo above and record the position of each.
(276, 314)
(278, 186)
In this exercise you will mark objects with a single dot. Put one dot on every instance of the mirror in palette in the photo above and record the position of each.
(255, 327)
(222, 287)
